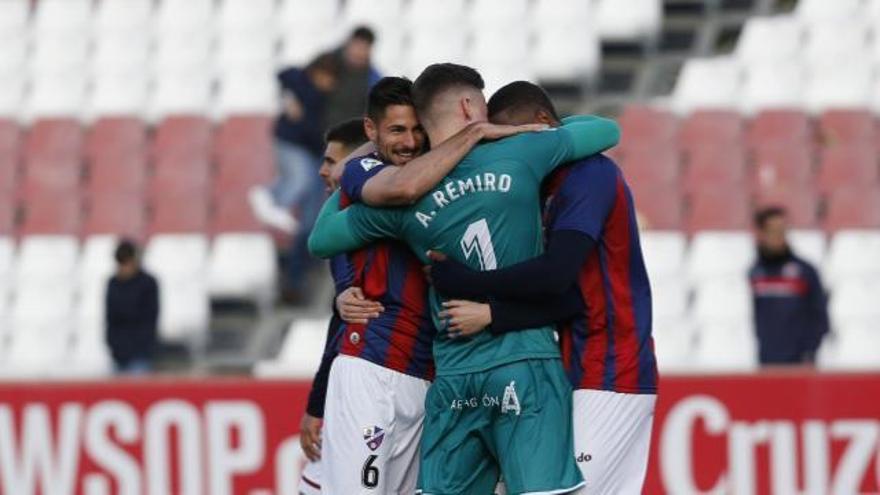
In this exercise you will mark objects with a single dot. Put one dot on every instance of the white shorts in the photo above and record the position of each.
(612, 437)
(373, 421)
(310, 480)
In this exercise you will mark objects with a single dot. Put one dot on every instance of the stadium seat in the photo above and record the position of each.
(635, 20)
(127, 16)
(430, 44)
(651, 166)
(180, 16)
(44, 176)
(664, 253)
(241, 170)
(46, 259)
(645, 126)
(41, 330)
(115, 136)
(429, 13)
(658, 208)
(856, 207)
(673, 344)
(838, 127)
(709, 167)
(246, 15)
(242, 266)
(853, 255)
(295, 15)
(554, 65)
(242, 51)
(485, 14)
(670, 297)
(115, 213)
(61, 96)
(54, 137)
(184, 55)
(772, 86)
(718, 208)
(708, 128)
(51, 214)
(10, 138)
(300, 352)
(800, 202)
(380, 14)
(857, 348)
(90, 356)
(809, 244)
(240, 133)
(7, 215)
(233, 213)
(708, 84)
(788, 127)
(117, 96)
(118, 172)
(180, 174)
(179, 263)
(183, 133)
(300, 46)
(8, 172)
(62, 16)
(180, 94)
(122, 54)
(58, 54)
(726, 347)
(847, 165)
(854, 301)
(499, 50)
(7, 263)
(781, 165)
(723, 300)
(14, 15)
(720, 254)
(183, 213)
(246, 92)
(822, 11)
(96, 266)
(769, 39)
(830, 42)
(12, 94)
(841, 86)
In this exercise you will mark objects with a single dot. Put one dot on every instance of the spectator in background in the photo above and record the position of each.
(132, 313)
(356, 76)
(790, 304)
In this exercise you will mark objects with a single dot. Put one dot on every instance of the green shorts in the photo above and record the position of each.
(513, 420)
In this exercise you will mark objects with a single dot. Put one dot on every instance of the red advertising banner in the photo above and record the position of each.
(801, 433)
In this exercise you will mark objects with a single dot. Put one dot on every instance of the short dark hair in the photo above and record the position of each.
(521, 96)
(388, 91)
(363, 33)
(763, 215)
(350, 133)
(126, 251)
(437, 78)
(325, 62)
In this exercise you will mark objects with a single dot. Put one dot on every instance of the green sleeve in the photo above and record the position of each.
(579, 137)
(339, 231)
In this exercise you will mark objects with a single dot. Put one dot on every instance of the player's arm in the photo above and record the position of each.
(548, 275)
(818, 302)
(339, 231)
(579, 137)
(394, 186)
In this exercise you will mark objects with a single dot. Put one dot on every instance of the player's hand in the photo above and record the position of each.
(492, 131)
(310, 436)
(353, 307)
(448, 276)
(293, 108)
(466, 318)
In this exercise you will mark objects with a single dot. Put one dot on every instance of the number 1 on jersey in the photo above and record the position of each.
(477, 239)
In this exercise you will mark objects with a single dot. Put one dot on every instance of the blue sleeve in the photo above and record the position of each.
(357, 172)
(373, 77)
(586, 197)
(290, 79)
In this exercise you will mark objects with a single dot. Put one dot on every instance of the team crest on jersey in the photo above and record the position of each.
(791, 270)
(370, 163)
(374, 436)
(354, 338)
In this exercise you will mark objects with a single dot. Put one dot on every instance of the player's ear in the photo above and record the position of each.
(543, 117)
(466, 110)
(371, 129)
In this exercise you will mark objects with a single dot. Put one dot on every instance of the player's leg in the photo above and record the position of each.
(310, 480)
(358, 412)
(405, 433)
(612, 434)
(455, 459)
(532, 431)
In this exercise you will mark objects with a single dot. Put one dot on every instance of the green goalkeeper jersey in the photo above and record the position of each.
(485, 213)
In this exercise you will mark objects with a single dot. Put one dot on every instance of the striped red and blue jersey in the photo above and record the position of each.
(401, 337)
(609, 346)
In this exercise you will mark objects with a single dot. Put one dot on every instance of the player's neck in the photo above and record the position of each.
(444, 132)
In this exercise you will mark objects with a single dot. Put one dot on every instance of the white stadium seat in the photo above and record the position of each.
(848, 85)
(554, 64)
(707, 84)
(13, 54)
(485, 15)
(246, 15)
(54, 54)
(299, 47)
(7, 264)
(388, 53)
(118, 95)
(664, 253)
(295, 15)
(716, 254)
(46, 259)
(301, 351)
(809, 245)
(856, 348)
(855, 302)
(247, 92)
(181, 94)
(823, 10)
(427, 46)
(96, 266)
(382, 15)
(123, 16)
(553, 14)
(14, 16)
(773, 85)
(190, 53)
(63, 16)
(827, 43)
(433, 14)
(770, 39)
(182, 16)
(673, 343)
(12, 94)
(178, 261)
(243, 266)
(669, 298)
(245, 50)
(853, 254)
(727, 348)
(726, 300)
(631, 20)
(41, 329)
(126, 53)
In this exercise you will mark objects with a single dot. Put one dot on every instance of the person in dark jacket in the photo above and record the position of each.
(790, 305)
(132, 313)
(357, 76)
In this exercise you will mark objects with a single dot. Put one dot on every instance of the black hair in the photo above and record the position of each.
(763, 215)
(350, 133)
(437, 78)
(363, 33)
(521, 96)
(388, 91)
(325, 62)
(126, 251)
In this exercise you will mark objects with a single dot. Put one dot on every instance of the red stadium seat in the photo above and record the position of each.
(10, 137)
(240, 171)
(54, 138)
(183, 213)
(715, 166)
(658, 208)
(8, 172)
(853, 208)
(183, 133)
(708, 128)
(52, 214)
(179, 174)
(651, 165)
(800, 202)
(116, 213)
(47, 175)
(719, 208)
(846, 127)
(7, 215)
(847, 165)
(244, 132)
(780, 165)
(232, 213)
(779, 127)
(643, 126)
(118, 173)
(117, 136)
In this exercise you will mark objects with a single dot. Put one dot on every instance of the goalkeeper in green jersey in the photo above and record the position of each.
(499, 403)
